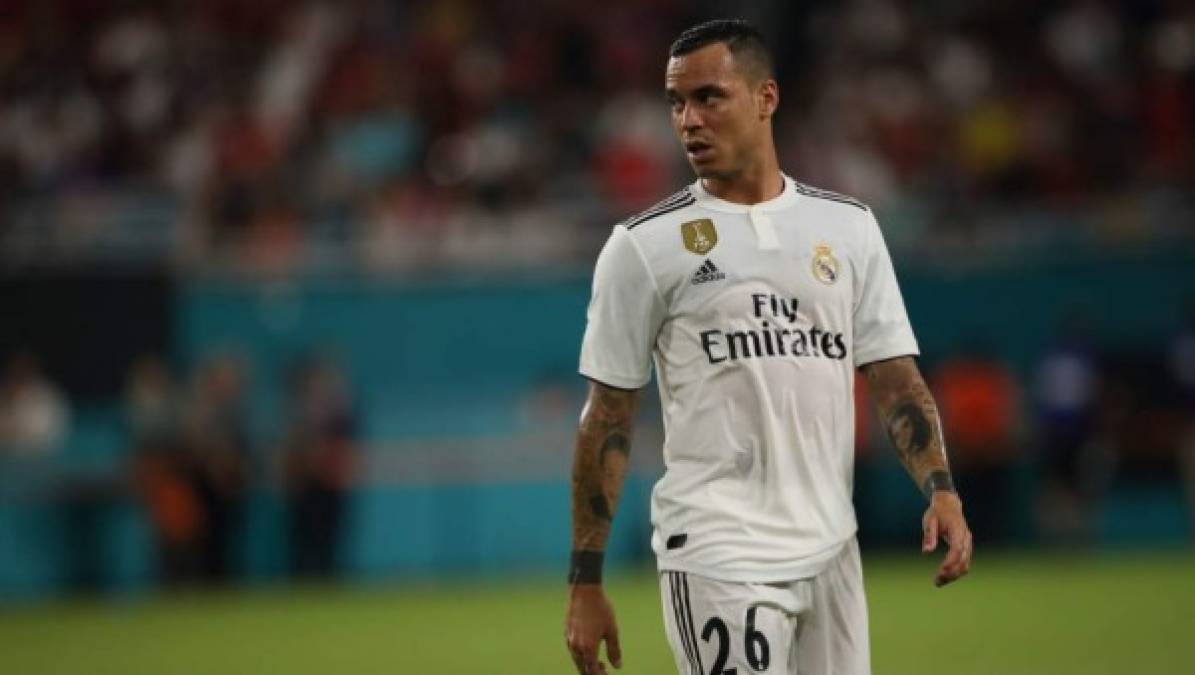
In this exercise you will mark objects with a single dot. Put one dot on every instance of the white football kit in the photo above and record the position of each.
(756, 317)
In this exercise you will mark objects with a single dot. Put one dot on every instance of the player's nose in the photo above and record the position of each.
(689, 118)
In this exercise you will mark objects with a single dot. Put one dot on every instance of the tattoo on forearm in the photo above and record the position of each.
(910, 429)
(613, 456)
(617, 442)
(600, 462)
(910, 416)
(600, 506)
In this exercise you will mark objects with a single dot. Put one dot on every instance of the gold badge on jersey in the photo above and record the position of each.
(699, 235)
(825, 265)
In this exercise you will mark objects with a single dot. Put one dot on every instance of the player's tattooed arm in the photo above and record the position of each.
(910, 416)
(599, 467)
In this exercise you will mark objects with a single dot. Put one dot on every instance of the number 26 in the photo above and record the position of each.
(755, 644)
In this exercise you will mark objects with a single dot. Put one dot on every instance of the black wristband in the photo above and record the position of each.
(586, 567)
(938, 481)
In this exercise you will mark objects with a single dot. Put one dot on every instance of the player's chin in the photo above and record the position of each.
(705, 169)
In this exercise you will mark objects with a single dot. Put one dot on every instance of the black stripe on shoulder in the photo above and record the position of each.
(819, 193)
(677, 201)
(662, 204)
(646, 216)
(670, 199)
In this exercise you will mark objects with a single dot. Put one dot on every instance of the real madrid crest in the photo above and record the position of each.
(699, 236)
(825, 265)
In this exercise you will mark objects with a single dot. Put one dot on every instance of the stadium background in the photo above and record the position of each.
(291, 296)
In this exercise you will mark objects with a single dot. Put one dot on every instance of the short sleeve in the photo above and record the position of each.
(881, 326)
(624, 317)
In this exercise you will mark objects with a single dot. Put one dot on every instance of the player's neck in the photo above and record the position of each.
(756, 184)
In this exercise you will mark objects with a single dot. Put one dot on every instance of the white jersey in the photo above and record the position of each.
(756, 317)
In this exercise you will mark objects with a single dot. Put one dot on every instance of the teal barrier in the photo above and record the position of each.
(425, 360)
(437, 357)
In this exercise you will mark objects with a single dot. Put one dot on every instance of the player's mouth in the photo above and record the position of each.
(699, 151)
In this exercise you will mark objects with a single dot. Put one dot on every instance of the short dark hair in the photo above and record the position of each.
(743, 40)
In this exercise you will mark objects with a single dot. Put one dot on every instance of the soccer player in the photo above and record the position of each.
(758, 297)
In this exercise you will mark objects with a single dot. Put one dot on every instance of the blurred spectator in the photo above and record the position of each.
(979, 404)
(34, 414)
(1181, 369)
(152, 405)
(1141, 426)
(1067, 389)
(216, 435)
(321, 460)
(1180, 359)
(163, 473)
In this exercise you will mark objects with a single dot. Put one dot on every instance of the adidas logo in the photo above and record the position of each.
(707, 272)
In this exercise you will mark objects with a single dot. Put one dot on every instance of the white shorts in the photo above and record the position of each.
(815, 626)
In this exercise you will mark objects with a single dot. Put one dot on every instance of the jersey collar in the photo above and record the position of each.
(781, 201)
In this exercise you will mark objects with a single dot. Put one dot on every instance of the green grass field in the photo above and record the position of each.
(1017, 615)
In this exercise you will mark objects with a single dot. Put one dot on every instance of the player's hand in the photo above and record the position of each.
(589, 621)
(944, 519)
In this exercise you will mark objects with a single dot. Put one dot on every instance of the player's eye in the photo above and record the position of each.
(706, 98)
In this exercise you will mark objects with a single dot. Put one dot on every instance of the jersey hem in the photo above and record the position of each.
(805, 570)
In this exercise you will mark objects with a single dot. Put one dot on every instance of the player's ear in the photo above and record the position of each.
(768, 98)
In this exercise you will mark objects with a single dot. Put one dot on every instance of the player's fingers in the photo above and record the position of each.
(954, 564)
(964, 563)
(929, 538)
(968, 551)
(946, 574)
(591, 664)
(578, 661)
(613, 649)
(584, 656)
(585, 665)
(958, 547)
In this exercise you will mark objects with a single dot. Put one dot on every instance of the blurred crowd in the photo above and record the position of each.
(194, 464)
(191, 461)
(276, 137)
